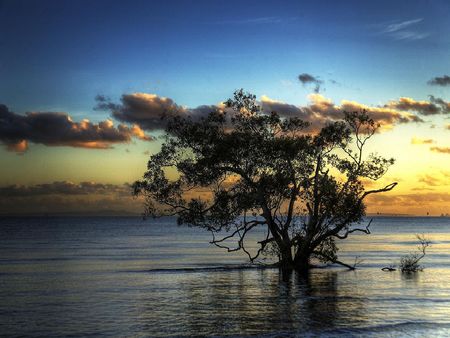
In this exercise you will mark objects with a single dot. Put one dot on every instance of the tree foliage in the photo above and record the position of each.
(263, 170)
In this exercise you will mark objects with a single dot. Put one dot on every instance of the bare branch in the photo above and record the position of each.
(336, 261)
(389, 187)
(366, 231)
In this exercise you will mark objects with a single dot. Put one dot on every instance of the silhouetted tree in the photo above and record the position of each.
(263, 170)
(410, 262)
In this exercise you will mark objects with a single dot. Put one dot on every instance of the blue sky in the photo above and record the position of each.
(57, 55)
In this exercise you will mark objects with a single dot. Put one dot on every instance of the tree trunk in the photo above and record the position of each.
(286, 261)
(302, 264)
(302, 260)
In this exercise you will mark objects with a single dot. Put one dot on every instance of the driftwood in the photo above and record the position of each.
(389, 268)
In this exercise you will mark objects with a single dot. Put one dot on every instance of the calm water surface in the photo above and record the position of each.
(112, 276)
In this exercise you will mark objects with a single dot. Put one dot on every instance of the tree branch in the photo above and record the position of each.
(333, 260)
(389, 187)
(344, 236)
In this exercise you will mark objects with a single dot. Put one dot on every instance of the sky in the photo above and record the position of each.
(83, 83)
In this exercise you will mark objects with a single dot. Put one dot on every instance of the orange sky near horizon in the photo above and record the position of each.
(423, 175)
(83, 86)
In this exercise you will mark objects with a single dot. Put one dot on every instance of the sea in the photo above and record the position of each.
(129, 277)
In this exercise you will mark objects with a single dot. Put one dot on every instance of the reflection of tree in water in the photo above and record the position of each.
(318, 298)
(251, 302)
(410, 277)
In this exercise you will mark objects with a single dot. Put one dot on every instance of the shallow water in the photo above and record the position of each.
(125, 277)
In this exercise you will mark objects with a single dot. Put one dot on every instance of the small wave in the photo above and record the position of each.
(398, 327)
(406, 299)
(204, 269)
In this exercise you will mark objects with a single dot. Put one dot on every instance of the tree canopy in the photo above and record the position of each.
(264, 170)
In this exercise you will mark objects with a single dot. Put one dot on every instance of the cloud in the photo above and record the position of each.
(306, 79)
(446, 174)
(69, 197)
(395, 27)
(412, 199)
(404, 30)
(444, 105)
(432, 180)
(409, 35)
(146, 110)
(335, 82)
(321, 110)
(416, 140)
(269, 105)
(442, 150)
(58, 129)
(64, 188)
(387, 117)
(433, 107)
(440, 81)
(415, 203)
(149, 111)
(306, 113)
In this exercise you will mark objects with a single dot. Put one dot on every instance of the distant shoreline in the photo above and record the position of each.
(129, 214)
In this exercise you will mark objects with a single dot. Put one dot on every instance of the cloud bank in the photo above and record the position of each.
(139, 113)
(58, 129)
(149, 111)
(321, 110)
(64, 188)
(69, 198)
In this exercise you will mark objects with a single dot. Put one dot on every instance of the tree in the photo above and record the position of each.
(262, 170)
(410, 262)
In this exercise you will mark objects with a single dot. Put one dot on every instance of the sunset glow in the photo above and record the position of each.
(86, 104)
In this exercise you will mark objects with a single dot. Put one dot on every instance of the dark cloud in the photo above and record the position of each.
(64, 188)
(149, 111)
(440, 81)
(306, 78)
(204, 110)
(284, 109)
(104, 103)
(88, 198)
(444, 105)
(58, 129)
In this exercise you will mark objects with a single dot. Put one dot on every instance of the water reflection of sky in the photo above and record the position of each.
(97, 277)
